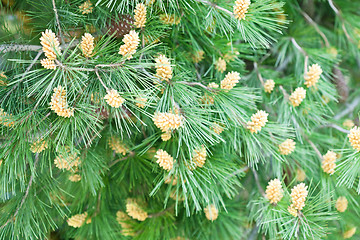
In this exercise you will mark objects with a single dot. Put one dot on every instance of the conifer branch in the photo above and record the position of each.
(297, 46)
(339, 14)
(131, 154)
(314, 24)
(349, 109)
(315, 148)
(258, 73)
(25, 195)
(4, 48)
(256, 177)
(196, 84)
(332, 125)
(215, 6)
(158, 214)
(58, 21)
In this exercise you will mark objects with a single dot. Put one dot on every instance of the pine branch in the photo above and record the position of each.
(349, 109)
(4, 48)
(256, 177)
(311, 22)
(196, 84)
(315, 148)
(57, 21)
(158, 214)
(339, 14)
(131, 154)
(332, 125)
(215, 6)
(258, 73)
(25, 195)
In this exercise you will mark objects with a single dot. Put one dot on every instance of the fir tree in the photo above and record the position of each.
(179, 119)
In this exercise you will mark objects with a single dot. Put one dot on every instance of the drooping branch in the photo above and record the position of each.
(25, 195)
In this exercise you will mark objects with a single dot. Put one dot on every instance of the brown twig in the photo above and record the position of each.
(158, 214)
(215, 6)
(102, 83)
(315, 148)
(258, 73)
(339, 14)
(196, 84)
(121, 159)
(57, 21)
(311, 22)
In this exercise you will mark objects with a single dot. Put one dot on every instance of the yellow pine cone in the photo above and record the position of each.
(198, 56)
(38, 146)
(300, 175)
(230, 80)
(141, 102)
(354, 138)
(164, 160)
(274, 191)
(87, 44)
(75, 178)
(3, 78)
(59, 103)
(217, 128)
(140, 15)
(328, 163)
(167, 121)
(292, 210)
(287, 147)
(169, 19)
(5, 118)
(131, 42)
(166, 136)
(348, 123)
(86, 7)
(163, 68)
(298, 196)
(341, 204)
(114, 99)
(269, 85)
(297, 96)
(117, 146)
(199, 156)
(213, 85)
(258, 120)
(48, 64)
(77, 220)
(220, 65)
(67, 160)
(349, 233)
(171, 180)
(134, 210)
(241, 8)
(313, 75)
(124, 220)
(211, 212)
(50, 44)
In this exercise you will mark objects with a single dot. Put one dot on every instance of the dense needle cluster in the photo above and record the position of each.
(258, 120)
(287, 147)
(140, 15)
(274, 191)
(131, 42)
(313, 75)
(134, 210)
(164, 160)
(297, 96)
(354, 138)
(87, 44)
(230, 80)
(328, 163)
(241, 8)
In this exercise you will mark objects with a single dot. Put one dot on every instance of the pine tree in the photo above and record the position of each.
(179, 119)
